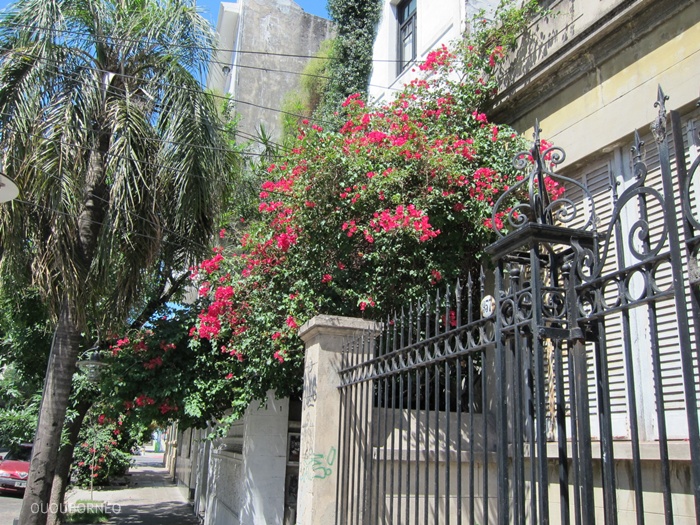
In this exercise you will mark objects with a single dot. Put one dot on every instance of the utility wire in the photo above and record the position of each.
(66, 214)
(239, 65)
(191, 242)
(110, 154)
(213, 49)
(53, 64)
(159, 166)
(190, 90)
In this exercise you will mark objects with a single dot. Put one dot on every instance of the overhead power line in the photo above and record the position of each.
(56, 68)
(130, 159)
(57, 65)
(182, 46)
(191, 242)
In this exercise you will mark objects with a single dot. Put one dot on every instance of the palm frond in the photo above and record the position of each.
(118, 152)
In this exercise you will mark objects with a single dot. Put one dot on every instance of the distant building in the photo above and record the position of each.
(263, 48)
(250, 476)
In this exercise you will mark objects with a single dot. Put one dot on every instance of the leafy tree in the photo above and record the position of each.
(118, 156)
(17, 425)
(25, 339)
(25, 332)
(156, 374)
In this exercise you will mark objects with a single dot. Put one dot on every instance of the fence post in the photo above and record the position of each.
(323, 337)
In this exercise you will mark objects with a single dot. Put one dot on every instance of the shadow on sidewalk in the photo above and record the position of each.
(149, 497)
(163, 513)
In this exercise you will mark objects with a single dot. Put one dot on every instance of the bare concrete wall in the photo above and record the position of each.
(271, 45)
(242, 477)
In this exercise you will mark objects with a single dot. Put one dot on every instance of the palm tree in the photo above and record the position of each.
(120, 161)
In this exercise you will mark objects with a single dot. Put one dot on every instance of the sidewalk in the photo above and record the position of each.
(148, 499)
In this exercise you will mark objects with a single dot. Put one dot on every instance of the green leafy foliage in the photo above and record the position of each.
(305, 101)
(25, 339)
(25, 332)
(508, 25)
(17, 425)
(362, 219)
(350, 62)
(102, 453)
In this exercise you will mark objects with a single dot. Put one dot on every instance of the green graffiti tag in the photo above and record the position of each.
(319, 466)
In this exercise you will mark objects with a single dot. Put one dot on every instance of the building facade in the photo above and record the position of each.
(409, 30)
(263, 48)
(588, 76)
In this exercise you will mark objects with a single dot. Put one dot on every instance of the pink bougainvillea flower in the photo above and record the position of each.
(153, 363)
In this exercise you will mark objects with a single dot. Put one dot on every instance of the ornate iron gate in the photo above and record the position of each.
(496, 408)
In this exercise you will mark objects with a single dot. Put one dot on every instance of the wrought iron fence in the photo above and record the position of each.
(568, 394)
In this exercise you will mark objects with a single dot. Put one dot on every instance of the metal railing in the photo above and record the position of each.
(569, 393)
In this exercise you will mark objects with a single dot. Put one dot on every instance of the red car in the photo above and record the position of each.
(14, 470)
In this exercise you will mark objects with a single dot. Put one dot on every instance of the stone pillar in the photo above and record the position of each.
(323, 336)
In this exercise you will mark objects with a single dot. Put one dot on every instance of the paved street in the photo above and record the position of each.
(9, 508)
(148, 499)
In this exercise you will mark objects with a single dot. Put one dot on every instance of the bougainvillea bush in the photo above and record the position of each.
(361, 220)
(100, 453)
(158, 374)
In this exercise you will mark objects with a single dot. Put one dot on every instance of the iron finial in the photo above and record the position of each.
(661, 99)
(537, 131)
(658, 127)
(637, 148)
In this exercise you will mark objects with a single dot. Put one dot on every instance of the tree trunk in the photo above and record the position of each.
(66, 344)
(63, 463)
(52, 415)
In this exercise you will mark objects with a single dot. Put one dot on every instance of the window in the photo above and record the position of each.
(407, 33)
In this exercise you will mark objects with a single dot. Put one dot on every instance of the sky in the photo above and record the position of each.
(210, 8)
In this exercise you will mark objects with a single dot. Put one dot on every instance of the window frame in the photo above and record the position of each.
(406, 27)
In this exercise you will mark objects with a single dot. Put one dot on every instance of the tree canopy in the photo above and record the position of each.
(121, 164)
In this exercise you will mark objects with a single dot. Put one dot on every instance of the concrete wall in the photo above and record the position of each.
(184, 461)
(226, 480)
(253, 34)
(241, 478)
(318, 475)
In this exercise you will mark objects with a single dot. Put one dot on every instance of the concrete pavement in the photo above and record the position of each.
(149, 498)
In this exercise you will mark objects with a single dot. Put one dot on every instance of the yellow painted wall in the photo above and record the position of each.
(601, 110)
